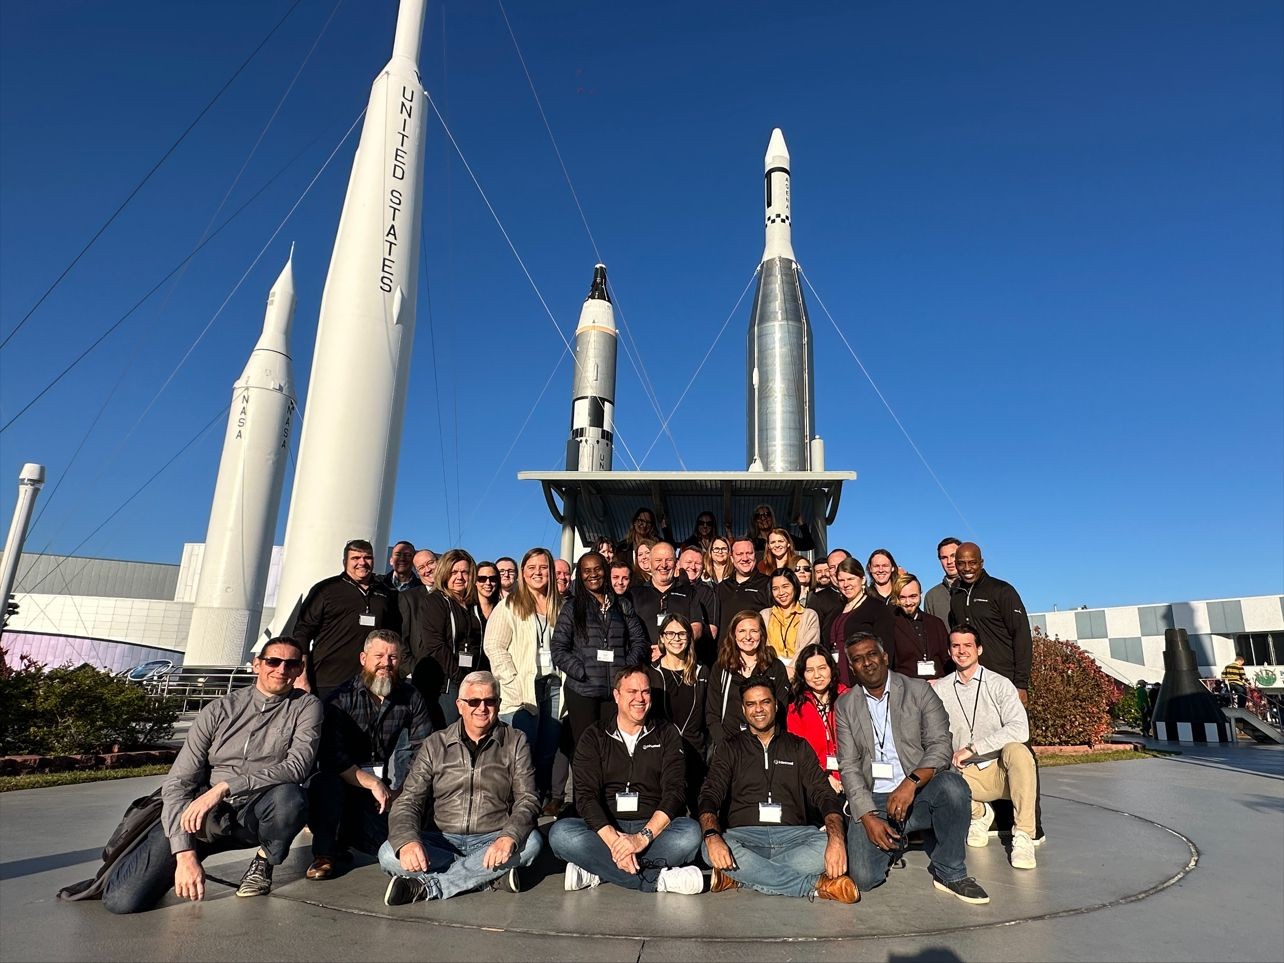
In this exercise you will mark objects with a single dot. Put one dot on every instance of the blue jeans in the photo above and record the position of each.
(777, 860)
(943, 807)
(269, 820)
(574, 842)
(455, 861)
(541, 728)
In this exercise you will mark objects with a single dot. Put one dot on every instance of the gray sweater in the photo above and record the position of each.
(247, 739)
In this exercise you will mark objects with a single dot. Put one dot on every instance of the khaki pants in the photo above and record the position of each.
(1012, 776)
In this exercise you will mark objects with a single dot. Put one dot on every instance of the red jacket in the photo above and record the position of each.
(807, 723)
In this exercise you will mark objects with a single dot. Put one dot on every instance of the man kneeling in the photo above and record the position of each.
(466, 814)
(236, 783)
(630, 789)
(767, 778)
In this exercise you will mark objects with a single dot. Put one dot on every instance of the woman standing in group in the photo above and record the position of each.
(790, 626)
(742, 653)
(444, 635)
(779, 554)
(519, 644)
(802, 568)
(642, 561)
(717, 562)
(882, 569)
(606, 548)
(859, 613)
(597, 634)
(678, 688)
(706, 529)
(642, 526)
(487, 593)
(764, 520)
(811, 710)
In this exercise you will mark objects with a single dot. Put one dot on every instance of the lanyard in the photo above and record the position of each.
(830, 723)
(766, 765)
(677, 681)
(976, 704)
(882, 736)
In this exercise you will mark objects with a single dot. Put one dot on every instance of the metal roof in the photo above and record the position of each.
(605, 501)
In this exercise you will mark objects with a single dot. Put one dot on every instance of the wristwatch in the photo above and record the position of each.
(912, 776)
(646, 834)
(708, 833)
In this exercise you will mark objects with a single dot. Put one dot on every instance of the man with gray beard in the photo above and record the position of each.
(363, 758)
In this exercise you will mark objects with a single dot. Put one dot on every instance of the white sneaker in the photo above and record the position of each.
(1022, 851)
(978, 831)
(577, 877)
(687, 880)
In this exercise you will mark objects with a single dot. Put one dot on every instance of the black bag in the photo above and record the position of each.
(141, 815)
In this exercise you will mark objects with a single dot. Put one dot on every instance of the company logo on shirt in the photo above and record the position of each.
(782, 762)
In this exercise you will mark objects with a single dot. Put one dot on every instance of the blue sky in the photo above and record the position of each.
(1052, 232)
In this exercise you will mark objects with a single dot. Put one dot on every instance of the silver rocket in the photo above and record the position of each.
(781, 403)
(593, 388)
(247, 494)
(351, 440)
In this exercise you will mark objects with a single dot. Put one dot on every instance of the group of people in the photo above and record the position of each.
(727, 704)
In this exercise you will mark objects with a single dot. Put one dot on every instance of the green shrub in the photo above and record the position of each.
(1125, 711)
(1070, 697)
(73, 711)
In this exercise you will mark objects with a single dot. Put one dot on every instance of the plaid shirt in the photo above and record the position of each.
(360, 730)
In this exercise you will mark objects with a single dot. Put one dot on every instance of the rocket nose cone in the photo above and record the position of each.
(598, 291)
(776, 146)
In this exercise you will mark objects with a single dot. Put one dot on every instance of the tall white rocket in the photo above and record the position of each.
(351, 441)
(781, 397)
(593, 386)
(247, 494)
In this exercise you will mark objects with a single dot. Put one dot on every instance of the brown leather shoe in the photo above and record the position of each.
(720, 881)
(840, 889)
(322, 868)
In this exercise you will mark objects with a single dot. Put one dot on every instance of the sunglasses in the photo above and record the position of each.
(488, 578)
(475, 703)
(762, 514)
(802, 568)
(272, 662)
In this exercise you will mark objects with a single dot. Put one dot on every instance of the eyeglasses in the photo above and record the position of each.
(762, 514)
(704, 521)
(488, 578)
(476, 703)
(719, 550)
(272, 662)
(674, 636)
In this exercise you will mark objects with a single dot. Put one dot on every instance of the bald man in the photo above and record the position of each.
(994, 609)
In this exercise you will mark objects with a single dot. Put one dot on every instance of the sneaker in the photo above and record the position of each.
(510, 882)
(978, 831)
(403, 890)
(578, 878)
(1040, 837)
(257, 880)
(1022, 851)
(687, 880)
(967, 889)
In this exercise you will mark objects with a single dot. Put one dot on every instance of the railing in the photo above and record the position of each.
(199, 684)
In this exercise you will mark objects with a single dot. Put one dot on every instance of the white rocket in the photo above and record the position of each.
(593, 387)
(781, 404)
(247, 495)
(351, 441)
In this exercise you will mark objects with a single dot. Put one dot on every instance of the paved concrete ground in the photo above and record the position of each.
(1179, 858)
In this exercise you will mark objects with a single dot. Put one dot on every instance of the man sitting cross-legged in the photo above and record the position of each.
(466, 814)
(766, 780)
(630, 791)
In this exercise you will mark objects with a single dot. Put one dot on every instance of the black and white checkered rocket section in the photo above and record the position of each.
(1186, 711)
(593, 389)
(781, 422)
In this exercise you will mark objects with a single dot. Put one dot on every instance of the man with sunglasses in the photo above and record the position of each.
(236, 783)
(466, 815)
(374, 723)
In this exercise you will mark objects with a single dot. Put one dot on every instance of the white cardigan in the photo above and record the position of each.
(510, 645)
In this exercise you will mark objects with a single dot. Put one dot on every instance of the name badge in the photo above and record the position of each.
(626, 802)
(465, 660)
(659, 618)
(882, 770)
(926, 667)
(768, 812)
(376, 771)
(366, 619)
(831, 762)
(606, 655)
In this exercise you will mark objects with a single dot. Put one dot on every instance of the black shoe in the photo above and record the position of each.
(257, 880)
(510, 882)
(967, 889)
(404, 889)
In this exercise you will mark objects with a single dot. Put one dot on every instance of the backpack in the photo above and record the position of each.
(140, 816)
